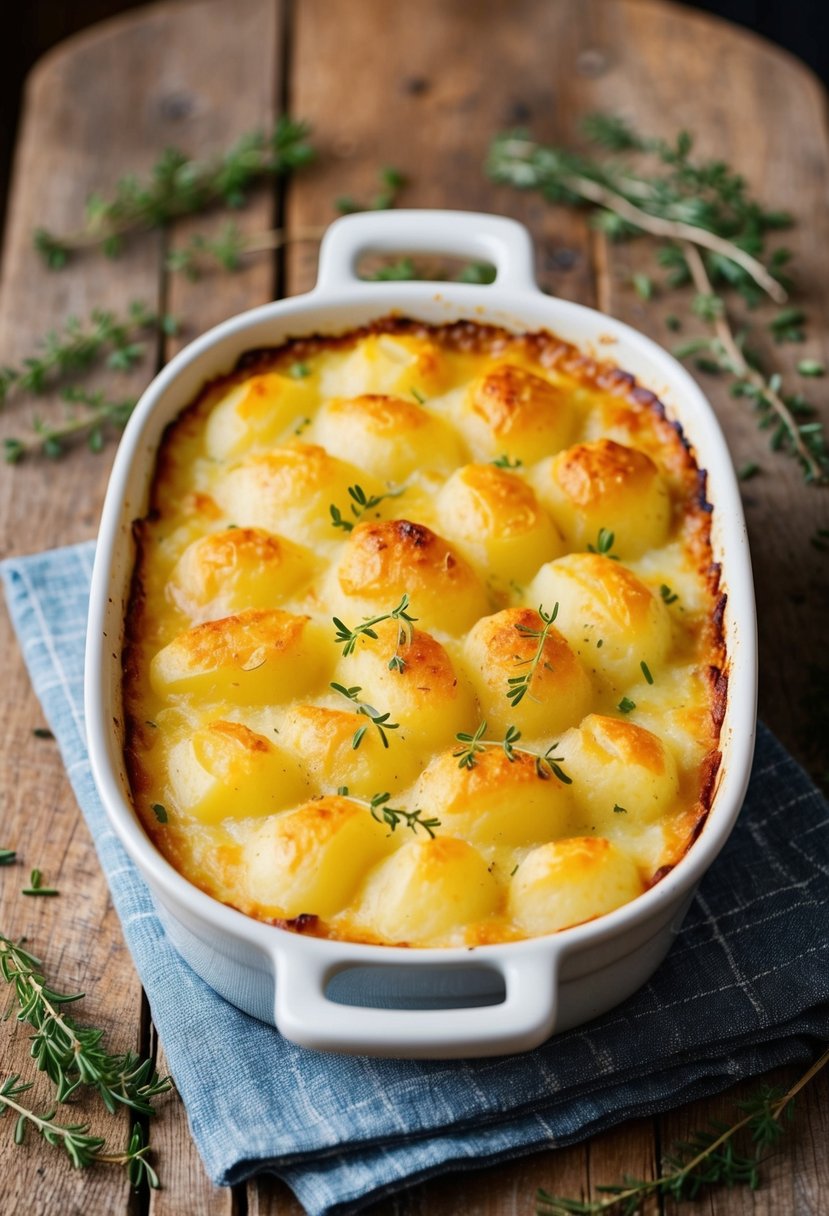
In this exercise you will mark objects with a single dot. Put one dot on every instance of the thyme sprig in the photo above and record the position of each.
(788, 417)
(360, 503)
(79, 344)
(400, 613)
(710, 1158)
(74, 1139)
(519, 686)
(391, 182)
(714, 236)
(228, 250)
(704, 204)
(50, 439)
(69, 1054)
(380, 721)
(474, 744)
(177, 186)
(393, 816)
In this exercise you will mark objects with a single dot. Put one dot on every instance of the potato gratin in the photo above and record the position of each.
(424, 645)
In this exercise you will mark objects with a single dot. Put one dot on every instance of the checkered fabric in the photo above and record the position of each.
(744, 989)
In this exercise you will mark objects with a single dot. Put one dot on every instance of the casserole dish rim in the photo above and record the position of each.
(338, 291)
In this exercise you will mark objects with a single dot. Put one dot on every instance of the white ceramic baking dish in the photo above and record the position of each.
(393, 1001)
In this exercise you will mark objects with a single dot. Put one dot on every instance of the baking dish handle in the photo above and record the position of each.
(468, 234)
(526, 1017)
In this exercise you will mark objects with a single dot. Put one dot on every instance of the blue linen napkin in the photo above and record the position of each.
(744, 989)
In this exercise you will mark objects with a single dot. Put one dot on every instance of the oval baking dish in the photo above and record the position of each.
(454, 1001)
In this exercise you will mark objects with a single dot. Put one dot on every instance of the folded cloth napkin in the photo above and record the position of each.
(744, 989)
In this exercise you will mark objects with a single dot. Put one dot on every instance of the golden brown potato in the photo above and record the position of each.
(290, 491)
(512, 412)
(604, 484)
(610, 618)
(256, 414)
(381, 561)
(236, 568)
(323, 739)
(499, 648)
(565, 882)
(495, 520)
(623, 775)
(224, 769)
(253, 658)
(404, 670)
(497, 801)
(388, 437)
(311, 861)
(427, 890)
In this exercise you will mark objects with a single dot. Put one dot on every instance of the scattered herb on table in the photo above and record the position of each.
(713, 237)
(105, 336)
(42, 732)
(712, 1157)
(177, 186)
(72, 1056)
(392, 181)
(50, 439)
(7, 857)
(36, 886)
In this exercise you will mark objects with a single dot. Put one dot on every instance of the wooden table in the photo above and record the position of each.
(423, 87)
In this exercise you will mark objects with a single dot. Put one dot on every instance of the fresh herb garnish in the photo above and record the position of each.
(474, 744)
(646, 672)
(380, 721)
(504, 462)
(160, 812)
(392, 816)
(361, 502)
(418, 396)
(668, 596)
(604, 544)
(400, 613)
(7, 857)
(625, 706)
(519, 686)
(619, 810)
(299, 371)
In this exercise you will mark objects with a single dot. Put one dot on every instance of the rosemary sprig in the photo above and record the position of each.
(392, 816)
(178, 186)
(74, 1139)
(519, 686)
(350, 637)
(72, 1055)
(50, 439)
(474, 744)
(380, 721)
(360, 503)
(709, 1158)
(77, 346)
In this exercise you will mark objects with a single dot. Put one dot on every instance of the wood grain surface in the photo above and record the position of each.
(422, 87)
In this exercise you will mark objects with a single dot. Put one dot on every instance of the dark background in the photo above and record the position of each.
(30, 28)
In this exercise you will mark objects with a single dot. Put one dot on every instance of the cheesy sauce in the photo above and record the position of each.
(424, 640)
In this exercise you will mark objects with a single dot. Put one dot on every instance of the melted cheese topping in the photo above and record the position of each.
(423, 643)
